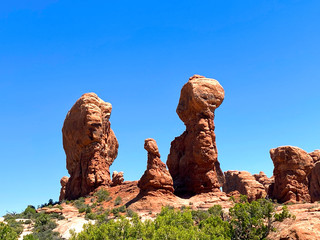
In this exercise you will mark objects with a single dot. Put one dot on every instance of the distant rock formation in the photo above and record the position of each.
(315, 155)
(156, 177)
(264, 180)
(244, 183)
(193, 162)
(64, 180)
(90, 145)
(292, 166)
(117, 178)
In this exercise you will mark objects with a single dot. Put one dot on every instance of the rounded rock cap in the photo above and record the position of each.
(200, 95)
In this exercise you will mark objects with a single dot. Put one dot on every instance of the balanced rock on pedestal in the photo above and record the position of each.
(193, 159)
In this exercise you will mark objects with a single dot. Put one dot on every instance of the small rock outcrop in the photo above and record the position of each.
(264, 180)
(314, 185)
(156, 178)
(90, 145)
(193, 159)
(117, 178)
(244, 183)
(292, 166)
(315, 155)
(64, 180)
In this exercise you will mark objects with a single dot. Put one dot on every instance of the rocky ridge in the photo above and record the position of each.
(194, 177)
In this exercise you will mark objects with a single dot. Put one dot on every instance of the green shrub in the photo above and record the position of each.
(131, 213)
(30, 237)
(7, 233)
(16, 226)
(216, 211)
(283, 215)
(28, 221)
(79, 203)
(245, 221)
(199, 215)
(91, 216)
(29, 212)
(102, 195)
(118, 201)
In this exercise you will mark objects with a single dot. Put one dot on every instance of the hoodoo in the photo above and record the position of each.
(193, 159)
(156, 178)
(90, 145)
(292, 166)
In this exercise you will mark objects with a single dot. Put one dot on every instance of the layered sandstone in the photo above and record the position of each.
(244, 183)
(64, 180)
(156, 178)
(292, 166)
(117, 178)
(193, 159)
(90, 145)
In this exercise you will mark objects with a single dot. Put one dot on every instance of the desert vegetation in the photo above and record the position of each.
(243, 221)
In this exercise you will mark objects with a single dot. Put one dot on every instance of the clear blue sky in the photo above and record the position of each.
(137, 55)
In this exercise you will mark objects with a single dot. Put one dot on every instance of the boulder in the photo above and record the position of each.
(292, 166)
(244, 183)
(193, 158)
(64, 180)
(117, 178)
(90, 145)
(156, 178)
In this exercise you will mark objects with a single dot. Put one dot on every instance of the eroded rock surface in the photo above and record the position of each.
(64, 180)
(264, 180)
(117, 178)
(193, 159)
(244, 183)
(292, 166)
(156, 177)
(90, 145)
(315, 155)
(314, 185)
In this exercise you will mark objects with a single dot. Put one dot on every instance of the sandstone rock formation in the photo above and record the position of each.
(156, 177)
(244, 183)
(192, 161)
(314, 185)
(117, 178)
(90, 145)
(64, 180)
(292, 166)
(315, 155)
(264, 180)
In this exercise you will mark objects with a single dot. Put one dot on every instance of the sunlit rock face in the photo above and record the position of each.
(193, 158)
(90, 145)
(156, 179)
(292, 167)
(244, 183)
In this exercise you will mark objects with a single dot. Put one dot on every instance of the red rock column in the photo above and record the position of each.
(90, 145)
(193, 159)
(292, 166)
(156, 178)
